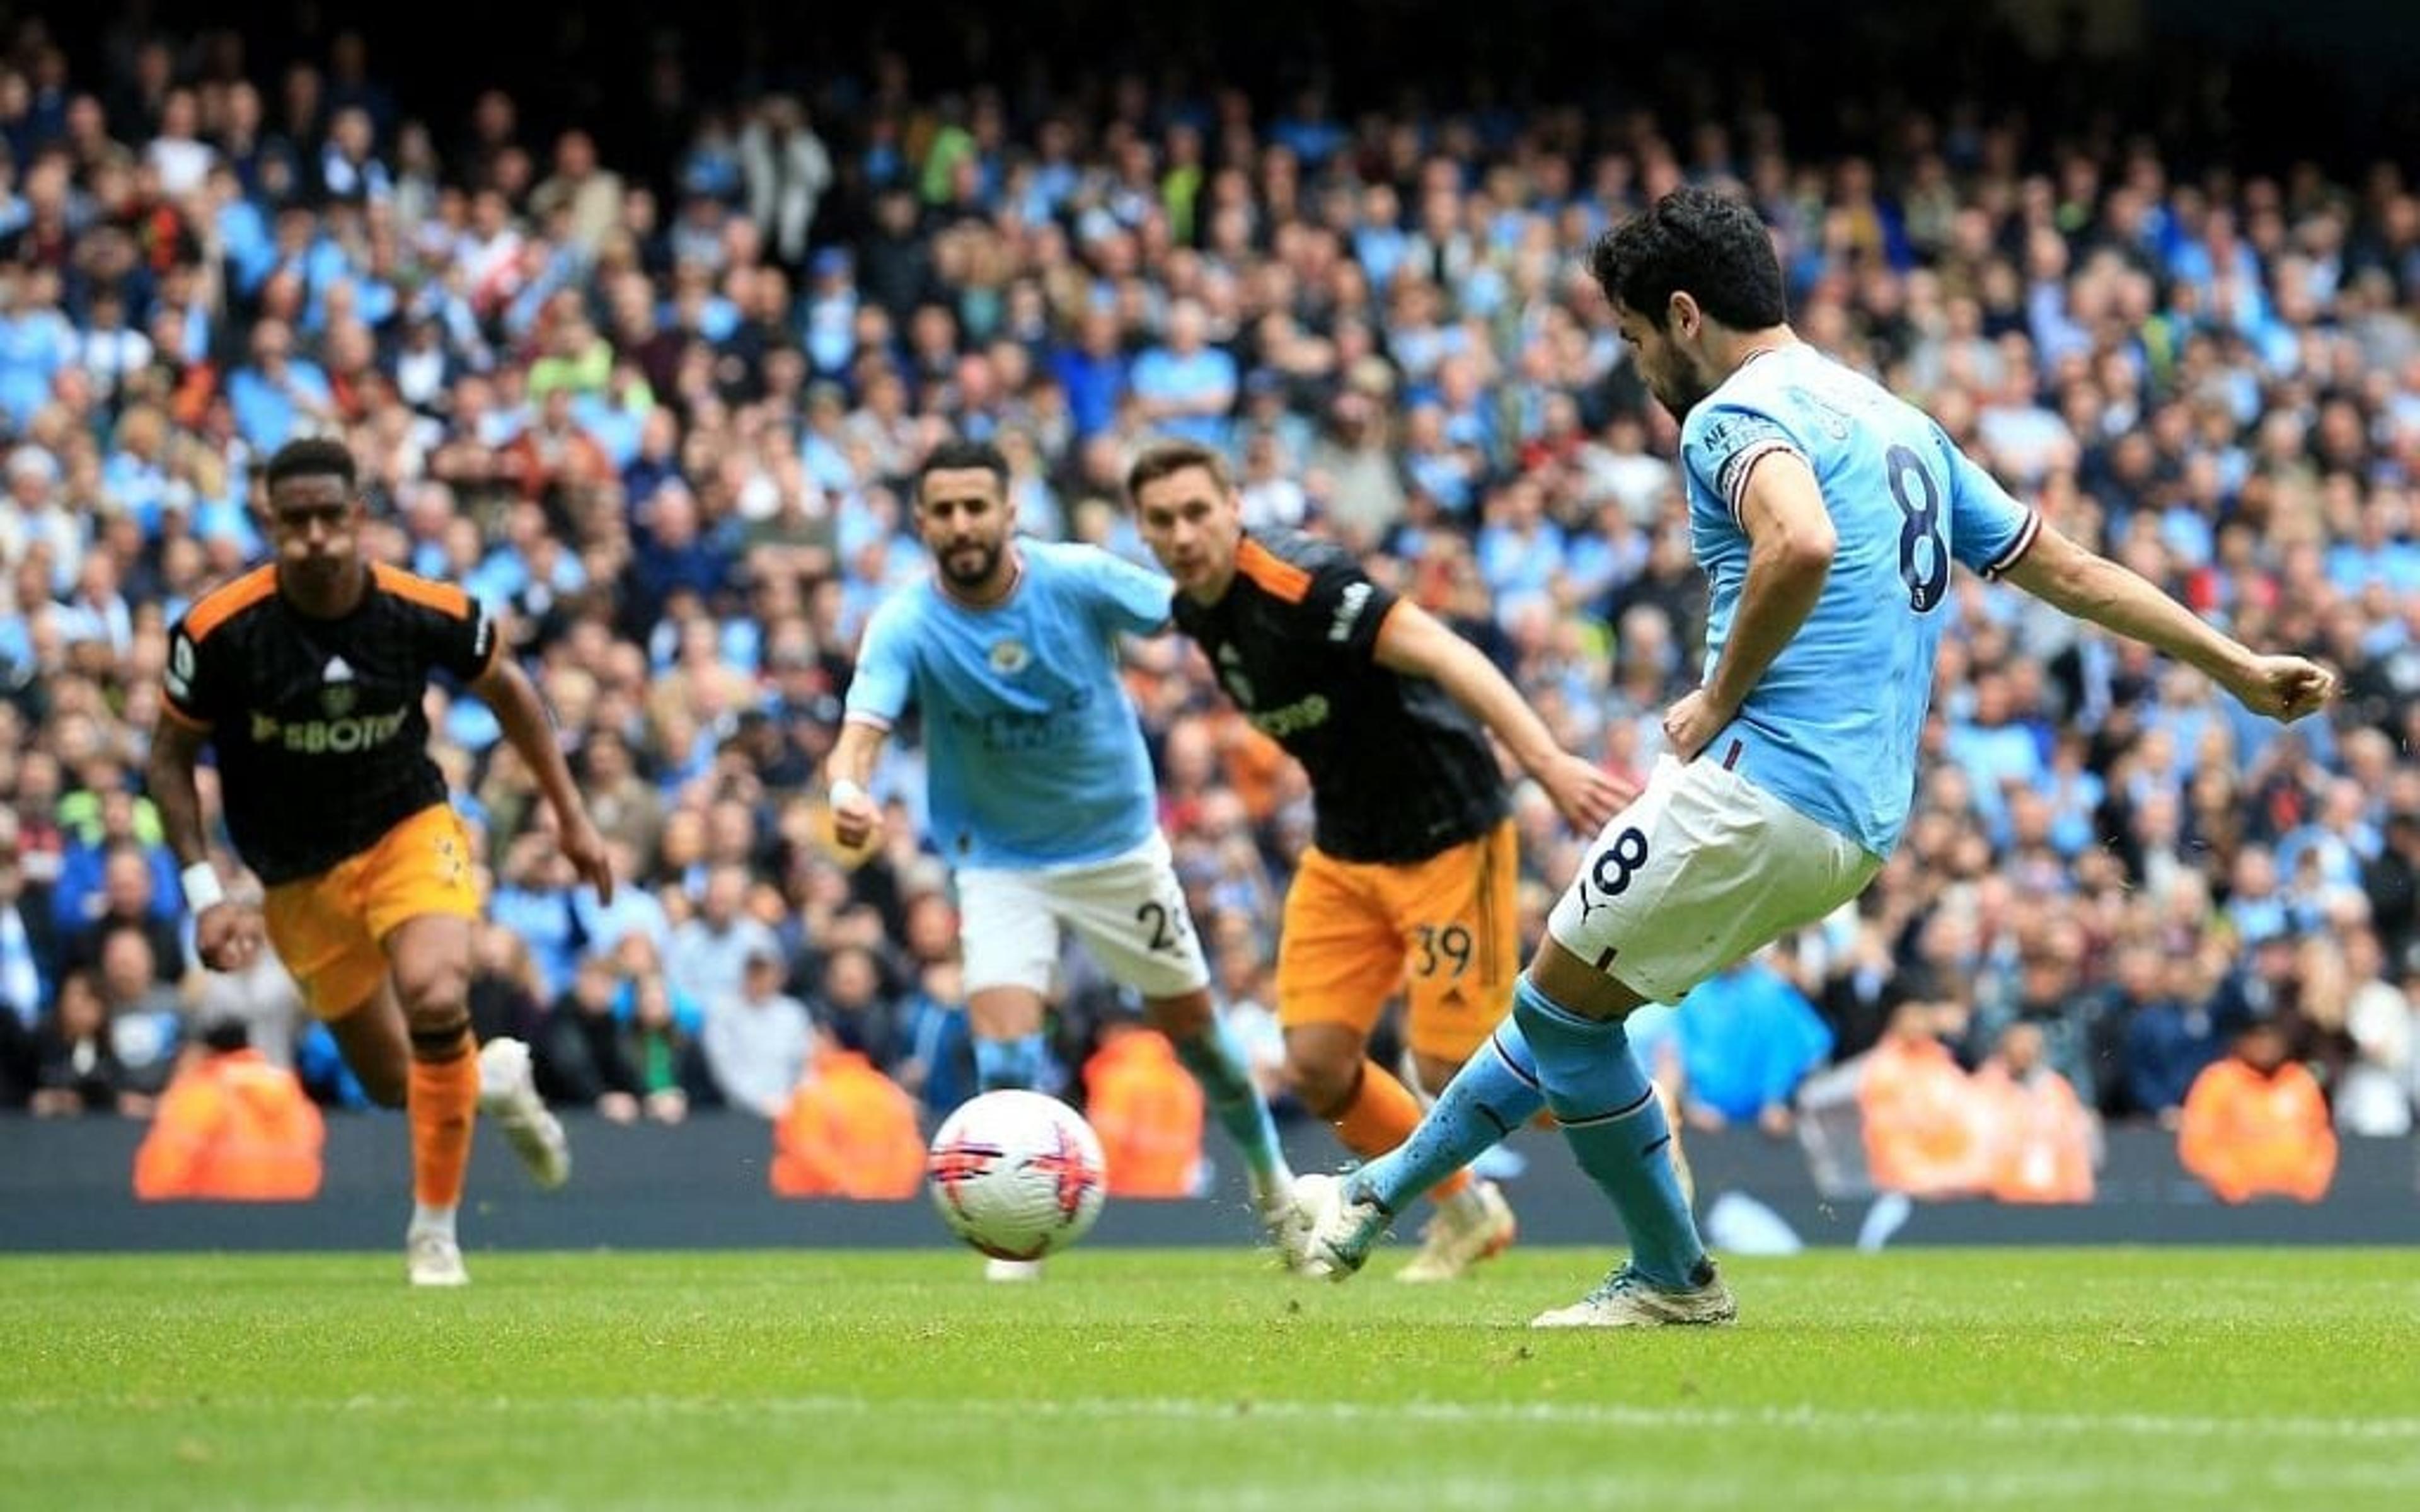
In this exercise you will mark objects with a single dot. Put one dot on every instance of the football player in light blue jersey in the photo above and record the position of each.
(1827, 515)
(1042, 794)
(1903, 503)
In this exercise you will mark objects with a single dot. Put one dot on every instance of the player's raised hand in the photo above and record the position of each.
(585, 848)
(1586, 795)
(227, 936)
(2286, 687)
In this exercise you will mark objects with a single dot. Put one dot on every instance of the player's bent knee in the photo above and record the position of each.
(434, 998)
(439, 995)
(1187, 1017)
(1004, 1012)
(430, 974)
(1574, 986)
(429, 959)
(1323, 1082)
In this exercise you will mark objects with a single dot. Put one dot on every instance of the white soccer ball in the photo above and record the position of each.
(1016, 1175)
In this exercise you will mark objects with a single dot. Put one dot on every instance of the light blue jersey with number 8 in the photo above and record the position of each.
(1832, 727)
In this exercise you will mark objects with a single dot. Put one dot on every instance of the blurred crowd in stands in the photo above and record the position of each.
(660, 413)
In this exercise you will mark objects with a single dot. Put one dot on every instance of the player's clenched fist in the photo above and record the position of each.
(854, 814)
(2285, 687)
(227, 938)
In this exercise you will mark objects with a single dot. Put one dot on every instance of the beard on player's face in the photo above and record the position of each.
(1672, 378)
(1678, 388)
(971, 563)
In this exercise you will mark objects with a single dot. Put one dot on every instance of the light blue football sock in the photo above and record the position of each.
(1610, 1114)
(1217, 1061)
(1008, 1063)
(1496, 1093)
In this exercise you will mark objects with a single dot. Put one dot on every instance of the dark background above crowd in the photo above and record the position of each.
(2250, 83)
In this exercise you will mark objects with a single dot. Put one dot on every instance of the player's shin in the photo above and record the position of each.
(442, 1100)
(1381, 1115)
(1496, 1093)
(1217, 1061)
(1615, 1123)
(1014, 1064)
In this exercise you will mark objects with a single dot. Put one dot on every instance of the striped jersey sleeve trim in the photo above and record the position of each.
(443, 597)
(1737, 471)
(2027, 535)
(223, 604)
(1276, 576)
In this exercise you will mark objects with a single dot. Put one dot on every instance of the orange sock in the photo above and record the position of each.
(443, 1100)
(1381, 1116)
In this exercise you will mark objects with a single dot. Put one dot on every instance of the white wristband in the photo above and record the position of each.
(844, 792)
(202, 890)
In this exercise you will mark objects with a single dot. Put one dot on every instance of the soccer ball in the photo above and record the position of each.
(1017, 1174)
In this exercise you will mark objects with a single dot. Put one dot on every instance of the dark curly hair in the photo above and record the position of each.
(1696, 240)
(957, 455)
(312, 456)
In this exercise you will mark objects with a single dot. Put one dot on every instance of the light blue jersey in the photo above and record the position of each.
(1831, 728)
(1034, 754)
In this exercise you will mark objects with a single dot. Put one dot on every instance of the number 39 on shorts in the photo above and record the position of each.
(1443, 947)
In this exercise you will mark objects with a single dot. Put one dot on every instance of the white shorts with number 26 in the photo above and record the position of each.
(1129, 911)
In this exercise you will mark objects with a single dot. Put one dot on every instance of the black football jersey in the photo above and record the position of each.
(1398, 771)
(321, 739)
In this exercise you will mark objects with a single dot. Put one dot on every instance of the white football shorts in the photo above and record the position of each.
(1129, 911)
(1703, 869)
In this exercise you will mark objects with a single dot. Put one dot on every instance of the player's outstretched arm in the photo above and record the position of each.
(506, 689)
(225, 935)
(2068, 577)
(1416, 643)
(847, 772)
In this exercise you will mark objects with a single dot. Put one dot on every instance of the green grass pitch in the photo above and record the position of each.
(1197, 1380)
